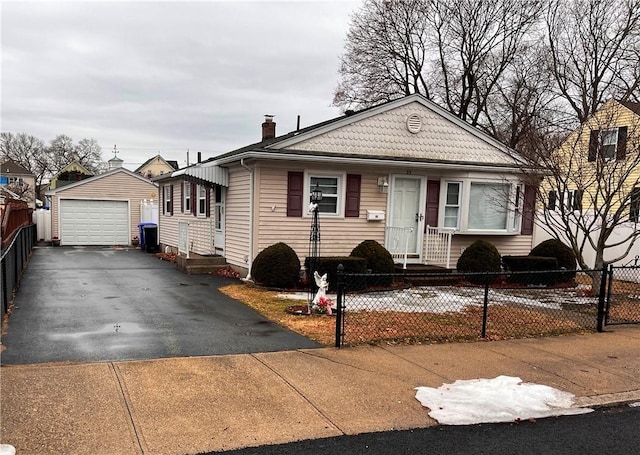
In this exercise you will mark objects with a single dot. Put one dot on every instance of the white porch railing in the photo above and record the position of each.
(397, 241)
(437, 246)
(196, 236)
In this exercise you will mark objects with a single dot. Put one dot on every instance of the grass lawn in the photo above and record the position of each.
(395, 327)
(319, 328)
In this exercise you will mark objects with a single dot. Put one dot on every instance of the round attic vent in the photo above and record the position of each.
(414, 123)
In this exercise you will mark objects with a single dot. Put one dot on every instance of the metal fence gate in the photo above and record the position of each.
(622, 301)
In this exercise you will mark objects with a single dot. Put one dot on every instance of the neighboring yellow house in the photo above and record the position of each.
(156, 166)
(593, 184)
(71, 173)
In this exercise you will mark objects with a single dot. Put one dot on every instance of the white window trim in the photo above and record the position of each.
(167, 199)
(459, 206)
(342, 179)
(608, 144)
(186, 196)
(511, 227)
(566, 202)
(200, 197)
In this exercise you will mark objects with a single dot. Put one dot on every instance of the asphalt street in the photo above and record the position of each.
(97, 304)
(607, 430)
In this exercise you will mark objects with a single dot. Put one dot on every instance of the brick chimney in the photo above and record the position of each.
(268, 128)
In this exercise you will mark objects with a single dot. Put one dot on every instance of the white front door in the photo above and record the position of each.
(407, 209)
(218, 232)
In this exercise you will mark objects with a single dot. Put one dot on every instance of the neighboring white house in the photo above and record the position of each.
(404, 166)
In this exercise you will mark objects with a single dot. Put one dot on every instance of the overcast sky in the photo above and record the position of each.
(167, 77)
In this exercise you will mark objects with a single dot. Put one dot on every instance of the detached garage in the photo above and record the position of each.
(100, 210)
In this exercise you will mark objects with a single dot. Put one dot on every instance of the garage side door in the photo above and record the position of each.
(87, 222)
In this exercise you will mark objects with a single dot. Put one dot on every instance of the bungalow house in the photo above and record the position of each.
(19, 180)
(156, 166)
(406, 173)
(101, 210)
(593, 186)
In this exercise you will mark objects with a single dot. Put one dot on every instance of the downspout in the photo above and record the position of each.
(250, 253)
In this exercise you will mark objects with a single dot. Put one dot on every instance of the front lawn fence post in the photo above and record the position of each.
(485, 306)
(339, 308)
(607, 271)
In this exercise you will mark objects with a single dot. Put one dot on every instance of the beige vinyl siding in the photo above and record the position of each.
(119, 186)
(169, 226)
(507, 245)
(338, 236)
(237, 217)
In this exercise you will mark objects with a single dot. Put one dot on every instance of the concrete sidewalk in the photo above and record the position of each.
(197, 404)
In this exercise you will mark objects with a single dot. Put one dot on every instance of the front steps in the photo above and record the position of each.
(200, 265)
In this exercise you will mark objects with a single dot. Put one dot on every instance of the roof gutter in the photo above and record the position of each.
(368, 160)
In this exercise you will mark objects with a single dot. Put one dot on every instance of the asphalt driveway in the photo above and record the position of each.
(99, 304)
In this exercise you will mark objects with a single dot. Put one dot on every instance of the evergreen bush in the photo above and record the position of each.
(480, 256)
(277, 266)
(378, 259)
(565, 256)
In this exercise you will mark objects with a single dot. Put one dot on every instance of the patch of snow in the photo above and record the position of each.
(435, 299)
(502, 399)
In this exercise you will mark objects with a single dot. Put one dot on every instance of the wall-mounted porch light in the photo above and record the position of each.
(383, 184)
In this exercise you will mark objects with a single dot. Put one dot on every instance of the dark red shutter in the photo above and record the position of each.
(171, 202)
(194, 199)
(182, 198)
(352, 206)
(433, 202)
(621, 149)
(593, 144)
(163, 195)
(207, 202)
(295, 191)
(528, 210)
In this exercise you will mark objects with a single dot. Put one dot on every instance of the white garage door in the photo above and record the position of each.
(85, 222)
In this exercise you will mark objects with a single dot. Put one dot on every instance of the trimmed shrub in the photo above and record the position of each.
(565, 256)
(276, 266)
(329, 265)
(480, 256)
(530, 264)
(378, 259)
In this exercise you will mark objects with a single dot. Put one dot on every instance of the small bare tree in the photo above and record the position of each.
(594, 47)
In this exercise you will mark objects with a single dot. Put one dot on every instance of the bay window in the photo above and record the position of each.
(480, 206)
(488, 206)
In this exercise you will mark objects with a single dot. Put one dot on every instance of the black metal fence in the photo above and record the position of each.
(14, 259)
(454, 306)
(622, 301)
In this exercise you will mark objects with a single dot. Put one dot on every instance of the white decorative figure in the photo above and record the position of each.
(323, 285)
